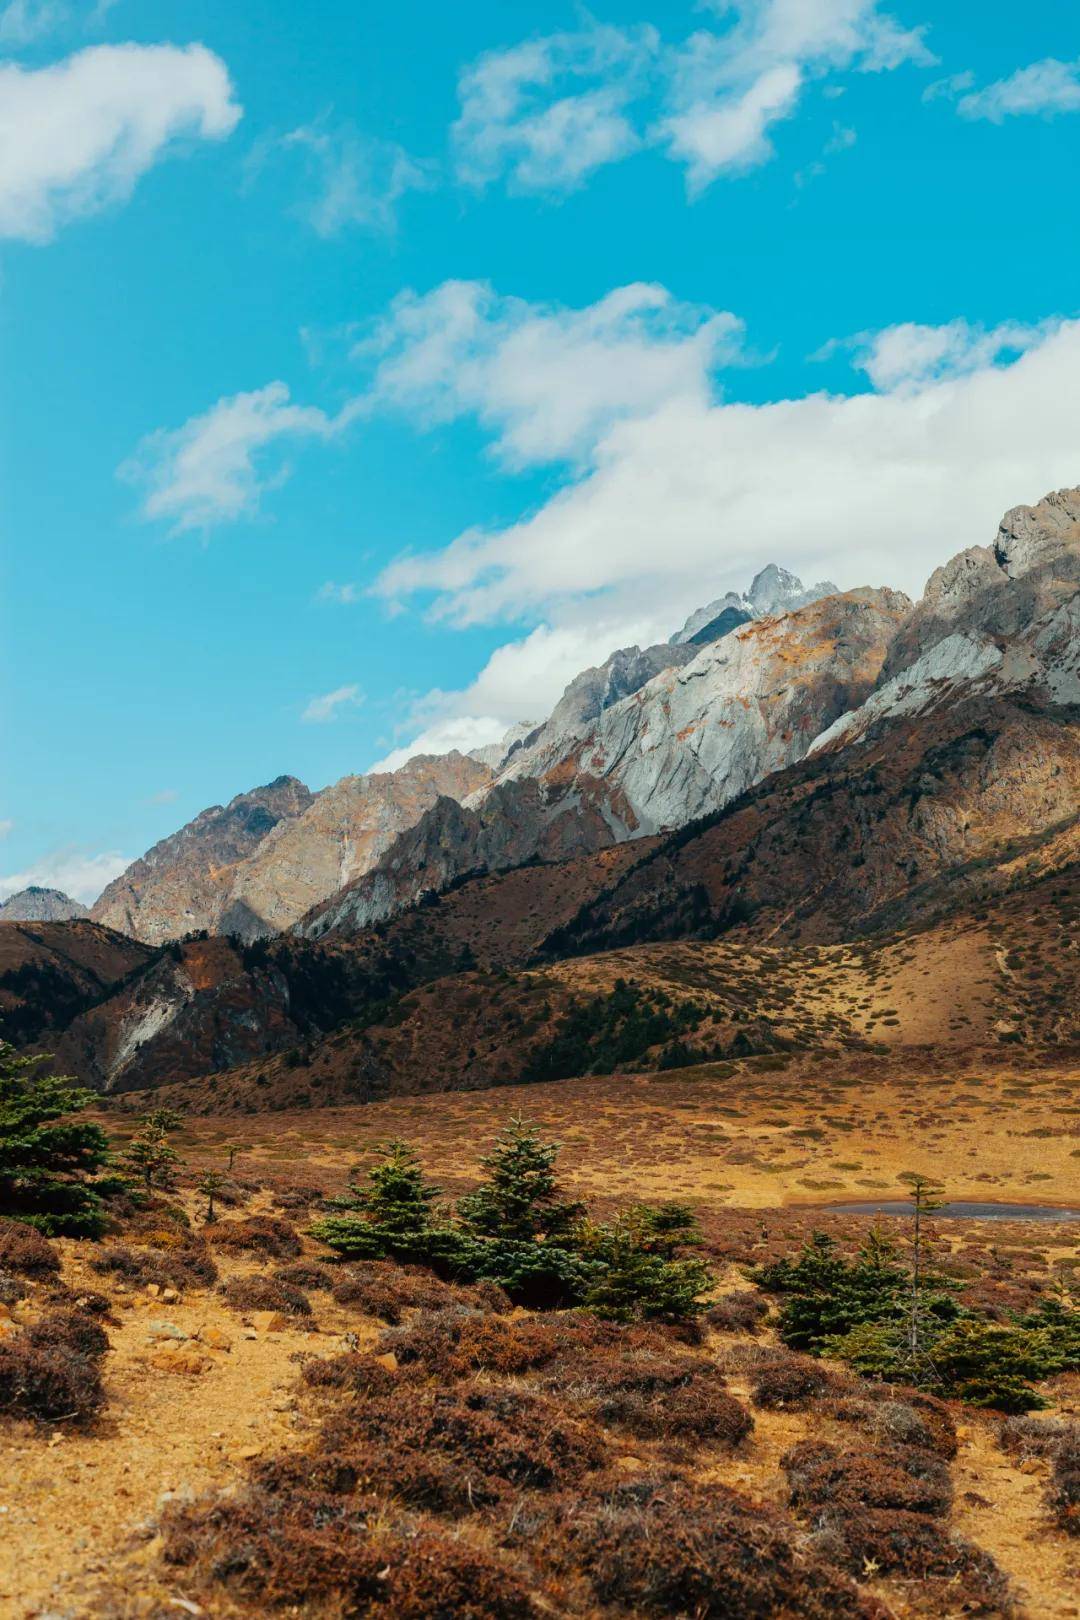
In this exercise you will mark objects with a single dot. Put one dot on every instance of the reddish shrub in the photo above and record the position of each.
(303, 1549)
(672, 1396)
(900, 1417)
(454, 1452)
(450, 1344)
(359, 1374)
(23, 1249)
(260, 1234)
(1063, 1491)
(435, 1578)
(258, 1293)
(69, 1330)
(920, 1549)
(793, 1382)
(820, 1476)
(306, 1274)
(665, 1548)
(47, 1381)
(12, 1289)
(385, 1290)
(188, 1264)
(1029, 1436)
(742, 1311)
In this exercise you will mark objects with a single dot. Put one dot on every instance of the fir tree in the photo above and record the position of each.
(151, 1158)
(47, 1161)
(520, 1200)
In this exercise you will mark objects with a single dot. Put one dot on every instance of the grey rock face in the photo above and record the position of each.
(36, 904)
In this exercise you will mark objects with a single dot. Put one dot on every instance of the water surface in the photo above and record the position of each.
(962, 1211)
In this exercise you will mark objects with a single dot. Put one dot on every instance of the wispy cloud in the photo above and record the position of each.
(331, 705)
(350, 180)
(215, 467)
(75, 137)
(344, 595)
(165, 796)
(545, 380)
(547, 113)
(729, 89)
(72, 870)
(7, 826)
(1045, 88)
(910, 355)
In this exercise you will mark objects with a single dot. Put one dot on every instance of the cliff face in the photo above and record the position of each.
(182, 884)
(255, 866)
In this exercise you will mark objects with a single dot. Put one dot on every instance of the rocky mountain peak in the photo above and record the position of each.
(773, 590)
(1029, 536)
(36, 904)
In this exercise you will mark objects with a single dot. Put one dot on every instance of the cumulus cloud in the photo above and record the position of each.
(546, 381)
(729, 89)
(350, 180)
(547, 113)
(331, 705)
(692, 498)
(215, 467)
(72, 870)
(910, 354)
(76, 136)
(1047, 87)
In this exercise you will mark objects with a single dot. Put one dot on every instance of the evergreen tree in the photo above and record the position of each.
(925, 1198)
(209, 1185)
(520, 1201)
(47, 1161)
(151, 1158)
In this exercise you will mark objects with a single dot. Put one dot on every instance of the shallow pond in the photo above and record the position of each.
(961, 1210)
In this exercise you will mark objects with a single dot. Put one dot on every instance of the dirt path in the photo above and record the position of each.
(73, 1503)
(1013, 1526)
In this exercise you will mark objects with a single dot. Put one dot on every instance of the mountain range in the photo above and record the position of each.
(796, 772)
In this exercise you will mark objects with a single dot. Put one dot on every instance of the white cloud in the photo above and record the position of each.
(545, 380)
(76, 136)
(521, 681)
(71, 870)
(727, 90)
(23, 21)
(1045, 87)
(330, 706)
(910, 355)
(166, 796)
(352, 179)
(344, 595)
(549, 112)
(213, 469)
(7, 826)
(695, 497)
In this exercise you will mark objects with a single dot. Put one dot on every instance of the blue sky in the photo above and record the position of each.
(368, 371)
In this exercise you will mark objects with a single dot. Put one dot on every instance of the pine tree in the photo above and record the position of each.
(48, 1161)
(926, 1196)
(150, 1157)
(209, 1185)
(520, 1200)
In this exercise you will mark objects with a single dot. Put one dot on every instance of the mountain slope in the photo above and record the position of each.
(182, 883)
(684, 743)
(36, 904)
(254, 866)
(52, 971)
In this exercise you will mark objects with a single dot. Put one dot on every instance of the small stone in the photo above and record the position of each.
(213, 1338)
(165, 1330)
(170, 1296)
(264, 1320)
(177, 1359)
(153, 1290)
(247, 1453)
(389, 1361)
